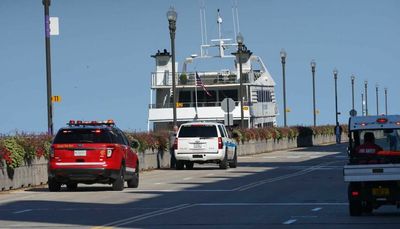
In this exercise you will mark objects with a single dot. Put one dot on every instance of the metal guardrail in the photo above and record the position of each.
(181, 79)
(191, 104)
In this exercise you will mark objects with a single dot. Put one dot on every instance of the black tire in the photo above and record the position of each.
(72, 186)
(224, 162)
(54, 186)
(118, 184)
(189, 164)
(368, 208)
(355, 208)
(179, 165)
(134, 182)
(233, 164)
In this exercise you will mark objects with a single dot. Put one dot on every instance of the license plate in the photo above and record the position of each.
(197, 146)
(79, 153)
(380, 192)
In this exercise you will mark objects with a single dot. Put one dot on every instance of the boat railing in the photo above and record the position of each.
(189, 78)
(191, 104)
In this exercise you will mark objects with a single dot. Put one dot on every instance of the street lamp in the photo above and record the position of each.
(171, 16)
(313, 65)
(366, 97)
(283, 61)
(335, 73)
(362, 104)
(352, 90)
(242, 55)
(386, 110)
(377, 98)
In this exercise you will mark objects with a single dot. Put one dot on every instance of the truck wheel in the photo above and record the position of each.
(355, 208)
(54, 186)
(72, 186)
(224, 162)
(118, 184)
(134, 182)
(189, 164)
(179, 165)
(368, 208)
(233, 164)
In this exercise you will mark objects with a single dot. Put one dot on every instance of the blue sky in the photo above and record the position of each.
(101, 60)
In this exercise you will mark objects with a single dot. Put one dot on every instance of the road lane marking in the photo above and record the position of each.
(279, 178)
(290, 221)
(158, 183)
(272, 204)
(133, 219)
(19, 212)
(184, 190)
(187, 178)
(316, 209)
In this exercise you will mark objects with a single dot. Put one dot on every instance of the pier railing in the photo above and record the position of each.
(189, 78)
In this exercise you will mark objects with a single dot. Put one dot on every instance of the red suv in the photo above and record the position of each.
(92, 152)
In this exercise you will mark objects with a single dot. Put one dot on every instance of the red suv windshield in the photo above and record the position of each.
(86, 135)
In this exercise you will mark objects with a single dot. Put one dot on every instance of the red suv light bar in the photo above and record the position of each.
(382, 120)
(109, 122)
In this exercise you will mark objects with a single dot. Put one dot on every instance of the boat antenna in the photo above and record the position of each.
(201, 21)
(237, 19)
(233, 18)
(219, 21)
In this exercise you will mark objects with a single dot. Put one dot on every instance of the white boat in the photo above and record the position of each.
(259, 106)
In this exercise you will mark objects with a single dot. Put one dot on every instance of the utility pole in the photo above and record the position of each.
(46, 4)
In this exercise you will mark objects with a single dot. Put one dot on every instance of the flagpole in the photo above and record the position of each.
(195, 94)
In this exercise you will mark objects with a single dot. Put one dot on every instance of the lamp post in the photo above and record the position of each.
(46, 4)
(377, 98)
(335, 73)
(242, 55)
(386, 110)
(352, 90)
(366, 97)
(362, 104)
(240, 40)
(313, 65)
(172, 16)
(283, 61)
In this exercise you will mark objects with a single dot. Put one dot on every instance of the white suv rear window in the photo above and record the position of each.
(197, 131)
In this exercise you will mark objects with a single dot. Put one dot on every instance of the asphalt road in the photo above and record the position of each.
(301, 188)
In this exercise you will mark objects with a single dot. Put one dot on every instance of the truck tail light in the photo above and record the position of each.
(355, 193)
(220, 143)
(109, 152)
(176, 143)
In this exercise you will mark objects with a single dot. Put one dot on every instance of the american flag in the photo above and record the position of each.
(200, 83)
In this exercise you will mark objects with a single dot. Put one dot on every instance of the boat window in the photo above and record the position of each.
(233, 94)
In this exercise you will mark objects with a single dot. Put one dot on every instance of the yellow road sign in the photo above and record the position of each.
(56, 99)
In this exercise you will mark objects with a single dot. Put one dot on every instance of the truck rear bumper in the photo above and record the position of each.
(373, 172)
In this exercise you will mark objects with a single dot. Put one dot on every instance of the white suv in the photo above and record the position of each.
(204, 142)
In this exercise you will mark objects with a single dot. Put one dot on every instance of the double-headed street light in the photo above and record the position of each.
(377, 98)
(335, 73)
(352, 90)
(313, 65)
(283, 61)
(366, 97)
(172, 16)
(242, 55)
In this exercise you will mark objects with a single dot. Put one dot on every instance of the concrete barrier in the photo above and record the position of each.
(36, 173)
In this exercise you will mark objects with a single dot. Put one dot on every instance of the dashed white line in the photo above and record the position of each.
(290, 221)
(316, 209)
(187, 178)
(19, 212)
